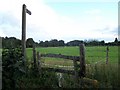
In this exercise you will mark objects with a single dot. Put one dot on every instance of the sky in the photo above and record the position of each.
(61, 19)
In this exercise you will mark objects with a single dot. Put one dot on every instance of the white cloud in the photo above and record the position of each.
(93, 11)
(1, 33)
(46, 24)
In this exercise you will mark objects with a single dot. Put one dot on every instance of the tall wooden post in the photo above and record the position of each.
(24, 33)
(82, 61)
(24, 11)
(107, 50)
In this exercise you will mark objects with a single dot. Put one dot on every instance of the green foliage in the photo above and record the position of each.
(29, 43)
(12, 67)
(74, 43)
(43, 80)
(10, 42)
(52, 43)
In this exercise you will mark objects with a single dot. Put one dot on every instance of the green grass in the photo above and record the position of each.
(93, 54)
(57, 61)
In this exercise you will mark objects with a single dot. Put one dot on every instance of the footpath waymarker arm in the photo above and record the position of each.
(28, 11)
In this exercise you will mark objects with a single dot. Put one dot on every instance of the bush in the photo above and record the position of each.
(14, 76)
(11, 65)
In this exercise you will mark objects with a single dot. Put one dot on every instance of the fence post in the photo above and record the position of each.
(76, 72)
(82, 61)
(107, 50)
(34, 55)
(39, 61)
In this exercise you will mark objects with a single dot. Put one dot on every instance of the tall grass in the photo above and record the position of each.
(106, 74)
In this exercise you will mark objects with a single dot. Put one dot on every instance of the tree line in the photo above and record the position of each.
(12, 42)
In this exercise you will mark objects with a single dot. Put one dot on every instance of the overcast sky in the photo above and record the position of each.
(61, 19)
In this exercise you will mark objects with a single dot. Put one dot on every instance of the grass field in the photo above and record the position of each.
(94, 54)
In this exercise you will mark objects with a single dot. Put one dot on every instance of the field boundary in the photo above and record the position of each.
(79, 69)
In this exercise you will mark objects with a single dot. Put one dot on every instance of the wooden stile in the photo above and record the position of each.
(79, 74)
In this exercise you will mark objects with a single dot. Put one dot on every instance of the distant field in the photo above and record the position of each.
(94, 54)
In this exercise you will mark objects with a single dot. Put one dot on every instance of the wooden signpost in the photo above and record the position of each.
(24, 11)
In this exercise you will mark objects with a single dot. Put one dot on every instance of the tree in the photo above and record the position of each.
(46, 43)
(41, 43)
(54, 42)
(61, 43)
(102, 43)
(93, 42)
(74, 43)
(115, 42)
(10, 42)
(29, 43)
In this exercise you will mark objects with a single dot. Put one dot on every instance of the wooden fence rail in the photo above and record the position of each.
(77, 58)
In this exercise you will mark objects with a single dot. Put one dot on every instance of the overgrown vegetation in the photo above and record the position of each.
(14, 75)
(106, 74)
(11, 67)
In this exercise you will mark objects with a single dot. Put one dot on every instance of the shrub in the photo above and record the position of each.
(11, 62)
